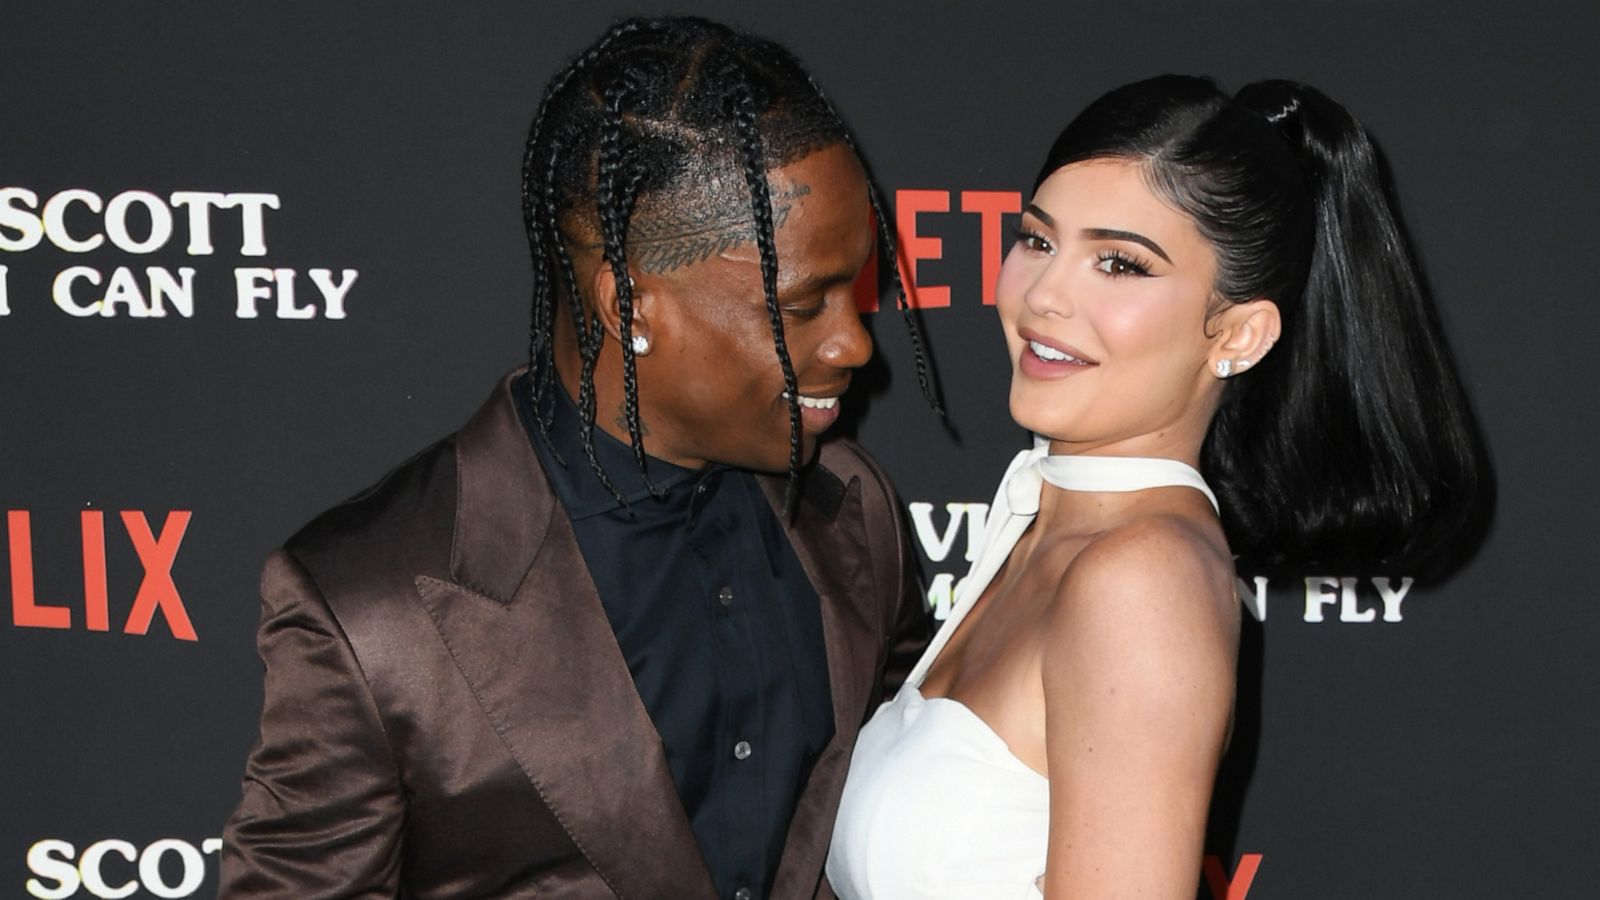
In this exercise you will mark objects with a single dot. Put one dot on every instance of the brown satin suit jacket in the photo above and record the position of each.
(447, 713)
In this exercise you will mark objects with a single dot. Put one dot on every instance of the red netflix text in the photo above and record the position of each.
(913, 247)
(1235, 888)
(157, 592)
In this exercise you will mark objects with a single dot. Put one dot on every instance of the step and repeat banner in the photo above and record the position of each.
(254, 255)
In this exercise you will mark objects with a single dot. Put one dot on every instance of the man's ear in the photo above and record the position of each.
(608, 294)
(1248, 331)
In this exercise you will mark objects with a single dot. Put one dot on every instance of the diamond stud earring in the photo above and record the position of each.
(1224, 368)
(641, 344)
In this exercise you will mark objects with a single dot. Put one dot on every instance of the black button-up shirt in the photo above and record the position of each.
(719, 626)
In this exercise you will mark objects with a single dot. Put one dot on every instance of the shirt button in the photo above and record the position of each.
(742, 894)
(741, 750)
(726, 596)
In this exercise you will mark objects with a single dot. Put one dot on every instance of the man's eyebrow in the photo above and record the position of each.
(1114, 234)
(815, 282)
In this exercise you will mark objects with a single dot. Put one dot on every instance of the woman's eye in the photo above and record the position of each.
(1034, 242)
(1118, 264)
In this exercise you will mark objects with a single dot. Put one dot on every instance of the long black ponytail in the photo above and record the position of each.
(1352, 442)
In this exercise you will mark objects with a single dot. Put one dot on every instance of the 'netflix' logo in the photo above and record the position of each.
(157, 592)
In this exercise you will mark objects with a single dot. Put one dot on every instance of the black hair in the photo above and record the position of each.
(1351, 442)
(667, 107)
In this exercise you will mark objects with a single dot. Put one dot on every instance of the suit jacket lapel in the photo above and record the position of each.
(523, 621)
(828, 537)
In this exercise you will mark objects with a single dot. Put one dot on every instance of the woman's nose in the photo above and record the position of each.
(1049, 294)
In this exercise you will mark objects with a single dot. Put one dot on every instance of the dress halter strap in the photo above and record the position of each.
(1121, 473)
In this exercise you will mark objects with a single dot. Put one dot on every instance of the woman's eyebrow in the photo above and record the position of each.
(1101, 234)
(1113, 234)
(1041, 215)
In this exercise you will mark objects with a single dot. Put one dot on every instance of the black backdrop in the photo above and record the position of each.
(1450, 753)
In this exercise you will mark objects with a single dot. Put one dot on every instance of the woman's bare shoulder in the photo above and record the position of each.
(1170, 561)
(1150, 597)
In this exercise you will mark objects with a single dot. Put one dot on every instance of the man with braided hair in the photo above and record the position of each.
(616, 636)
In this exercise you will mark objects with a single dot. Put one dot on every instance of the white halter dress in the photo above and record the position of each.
(936, 807)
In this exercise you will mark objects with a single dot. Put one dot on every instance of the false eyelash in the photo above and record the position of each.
(1021, 233)
(1140, 267)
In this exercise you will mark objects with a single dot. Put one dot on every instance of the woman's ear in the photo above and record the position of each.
(1249, 330)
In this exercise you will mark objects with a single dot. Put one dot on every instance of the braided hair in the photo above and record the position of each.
(659, 107)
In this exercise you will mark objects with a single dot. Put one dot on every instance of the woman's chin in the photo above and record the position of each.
(1038, 417)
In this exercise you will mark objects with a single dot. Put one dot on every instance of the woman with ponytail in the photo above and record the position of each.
(1223, 347)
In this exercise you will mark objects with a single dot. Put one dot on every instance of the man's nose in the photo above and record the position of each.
(849, 346)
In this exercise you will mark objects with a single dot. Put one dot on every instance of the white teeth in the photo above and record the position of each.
(1044, 351)
(815, 402)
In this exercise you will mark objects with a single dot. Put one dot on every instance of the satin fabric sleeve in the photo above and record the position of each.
(322, 811)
